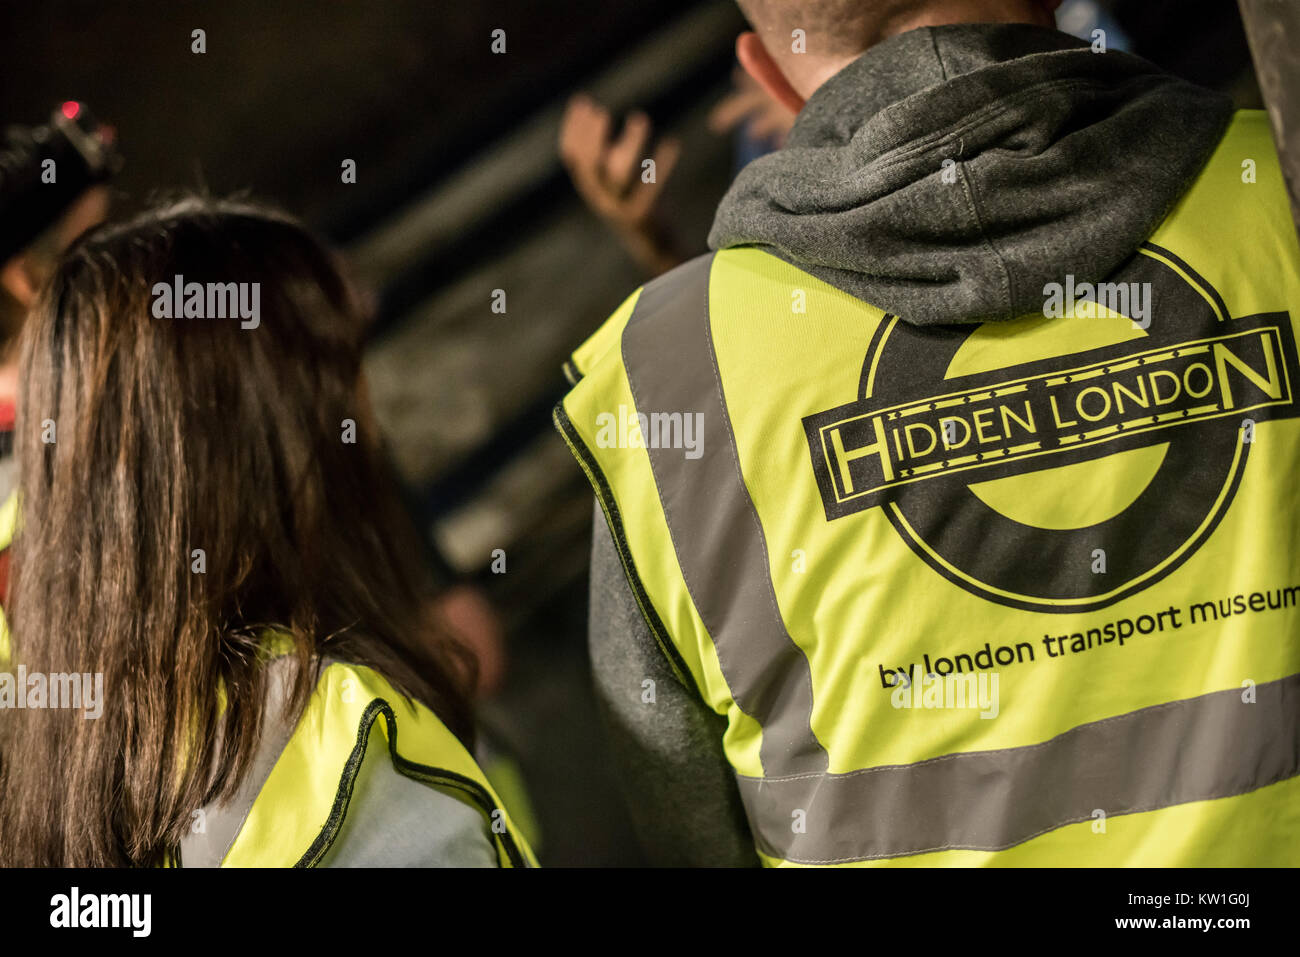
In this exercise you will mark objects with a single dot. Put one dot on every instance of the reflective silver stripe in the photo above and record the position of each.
(1197, 749)
(671, 367)
(221, 823)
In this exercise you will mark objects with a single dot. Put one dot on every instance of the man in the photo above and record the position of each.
(950, 500)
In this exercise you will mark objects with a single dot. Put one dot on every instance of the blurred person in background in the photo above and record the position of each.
(905, 557)
(21, 278)
(51, 191)
(213, 531)
(606, 168)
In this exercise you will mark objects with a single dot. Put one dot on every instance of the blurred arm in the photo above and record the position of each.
(607, 173)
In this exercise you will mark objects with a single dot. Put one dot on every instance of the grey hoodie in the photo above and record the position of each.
(1065, 160)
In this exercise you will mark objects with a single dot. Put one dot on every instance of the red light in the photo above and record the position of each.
(71, 109)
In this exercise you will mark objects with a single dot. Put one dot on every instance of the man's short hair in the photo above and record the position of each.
(832, 26)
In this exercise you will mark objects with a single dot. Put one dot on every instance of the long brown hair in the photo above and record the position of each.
(172, 435)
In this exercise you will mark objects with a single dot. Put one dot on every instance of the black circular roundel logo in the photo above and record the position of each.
(918, 437)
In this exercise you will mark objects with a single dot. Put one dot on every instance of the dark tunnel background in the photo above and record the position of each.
(459, 192)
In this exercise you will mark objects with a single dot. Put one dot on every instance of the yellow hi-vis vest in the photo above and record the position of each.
(1015, 593)
(296, 796)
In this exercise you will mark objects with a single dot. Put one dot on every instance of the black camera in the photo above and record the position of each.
(44, 169)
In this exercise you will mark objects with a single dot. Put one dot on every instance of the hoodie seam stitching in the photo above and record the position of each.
(936, 140)
(968, 186)
(934, 45)
(969, 189)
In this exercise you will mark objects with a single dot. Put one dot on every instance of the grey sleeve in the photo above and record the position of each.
(394, 821)
(668, 754)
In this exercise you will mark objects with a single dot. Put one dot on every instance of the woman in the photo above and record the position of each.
(206, 521)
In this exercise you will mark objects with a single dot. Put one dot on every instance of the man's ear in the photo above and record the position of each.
(758, 63)
(17, 278)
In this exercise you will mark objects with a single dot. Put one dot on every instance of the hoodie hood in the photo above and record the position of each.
(949, 173)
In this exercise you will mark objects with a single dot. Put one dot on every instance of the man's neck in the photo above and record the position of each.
(969, 11)
(934, 15)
